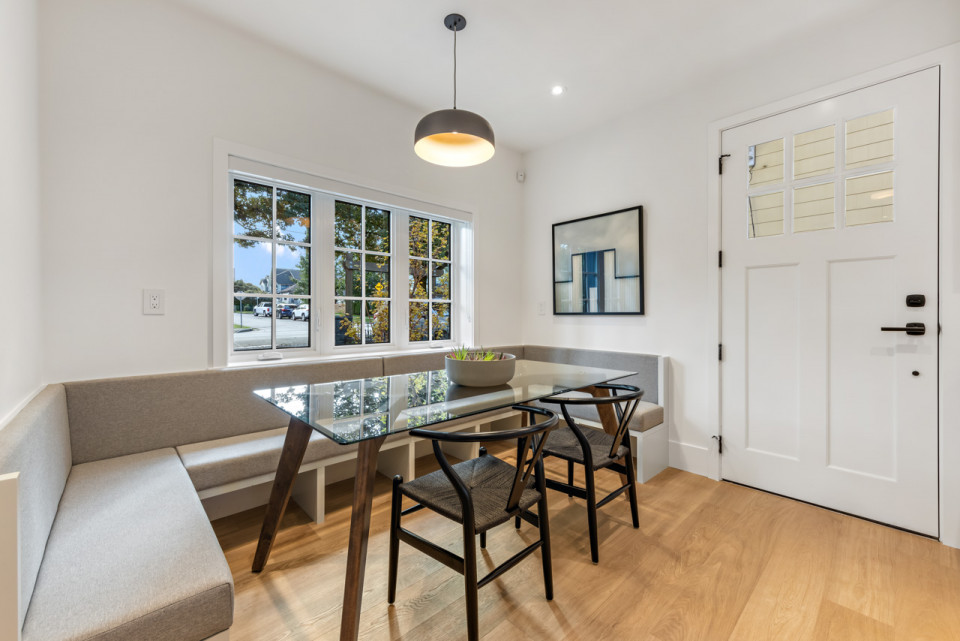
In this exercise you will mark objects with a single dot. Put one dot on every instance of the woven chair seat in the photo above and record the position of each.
(489, 480)
(563, 444)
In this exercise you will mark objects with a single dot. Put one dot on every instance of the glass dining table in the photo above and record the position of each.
(366, 411)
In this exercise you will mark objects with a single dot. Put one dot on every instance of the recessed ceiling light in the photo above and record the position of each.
(558, 90)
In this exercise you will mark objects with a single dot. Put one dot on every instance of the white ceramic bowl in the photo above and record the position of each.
(481, 373)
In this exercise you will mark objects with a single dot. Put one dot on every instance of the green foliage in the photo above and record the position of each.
(464, 353)
(243, 287)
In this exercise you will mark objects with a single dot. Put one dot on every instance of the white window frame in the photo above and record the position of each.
(232, 160)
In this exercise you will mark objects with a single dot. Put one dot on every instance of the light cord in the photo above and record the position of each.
(455, 67)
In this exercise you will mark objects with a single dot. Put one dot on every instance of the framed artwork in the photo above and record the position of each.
(598, 264)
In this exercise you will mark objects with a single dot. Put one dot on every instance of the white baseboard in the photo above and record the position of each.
(693, 458)
(19, 406)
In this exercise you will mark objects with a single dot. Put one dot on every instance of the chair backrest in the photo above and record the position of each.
(529, 439)
(624, 399)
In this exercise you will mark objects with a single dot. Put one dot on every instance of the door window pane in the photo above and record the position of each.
(869, 199)
(252, 209)
(870, 140)
(765, 215)
(813, 152)
(813, 207)
(765, 163)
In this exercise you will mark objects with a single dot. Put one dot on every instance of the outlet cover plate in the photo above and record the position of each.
(154, 302)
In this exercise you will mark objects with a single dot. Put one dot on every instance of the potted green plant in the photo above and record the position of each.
(479, 367)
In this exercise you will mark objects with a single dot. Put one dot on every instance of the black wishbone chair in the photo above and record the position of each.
(480, 494)
(595, 450)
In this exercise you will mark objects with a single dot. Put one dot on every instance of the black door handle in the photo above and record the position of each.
(912, 329)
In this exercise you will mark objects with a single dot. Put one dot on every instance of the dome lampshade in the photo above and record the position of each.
(454, 138)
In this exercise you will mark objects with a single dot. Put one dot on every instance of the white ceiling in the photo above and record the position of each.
(612, 55)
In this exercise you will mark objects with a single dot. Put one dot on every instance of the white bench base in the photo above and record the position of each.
(397, 456)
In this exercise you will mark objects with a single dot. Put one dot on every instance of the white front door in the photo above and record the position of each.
(829, 222)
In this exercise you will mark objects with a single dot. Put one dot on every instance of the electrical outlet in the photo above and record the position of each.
(154, 302)
(542, 309)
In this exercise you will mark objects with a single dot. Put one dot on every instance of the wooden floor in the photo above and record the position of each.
(711, 561)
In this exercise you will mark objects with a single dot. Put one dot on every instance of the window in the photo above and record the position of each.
(362, 243)
(271, 266)
(317, 272)
(430, 272)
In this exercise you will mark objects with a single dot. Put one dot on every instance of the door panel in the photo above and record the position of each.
(829, 220)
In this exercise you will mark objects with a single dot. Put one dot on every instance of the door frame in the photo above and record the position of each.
(948, 60)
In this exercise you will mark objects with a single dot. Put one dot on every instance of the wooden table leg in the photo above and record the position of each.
(294, 447)
(359, 533)
(608, 418)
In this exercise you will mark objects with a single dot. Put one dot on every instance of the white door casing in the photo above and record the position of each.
(816, 402)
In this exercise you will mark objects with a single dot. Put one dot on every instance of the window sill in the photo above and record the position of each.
(326, 358)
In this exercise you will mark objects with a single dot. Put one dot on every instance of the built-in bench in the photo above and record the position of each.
(110, 484)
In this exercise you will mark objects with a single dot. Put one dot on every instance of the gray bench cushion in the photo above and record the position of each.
(646, 416)
(36, 443)
(646, 365)
(118, 416)
(131, 556)
(216, 463)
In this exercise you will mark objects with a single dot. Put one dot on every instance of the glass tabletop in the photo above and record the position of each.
(353, 411)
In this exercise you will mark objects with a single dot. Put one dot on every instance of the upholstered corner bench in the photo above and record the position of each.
(107, 488)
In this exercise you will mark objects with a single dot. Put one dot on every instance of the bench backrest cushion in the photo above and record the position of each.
(120, 416)
(36, 443)
(646, 365)
(408, 363)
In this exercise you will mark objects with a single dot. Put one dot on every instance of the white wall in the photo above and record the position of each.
(21, 346)
(657, 156)
(133, 94)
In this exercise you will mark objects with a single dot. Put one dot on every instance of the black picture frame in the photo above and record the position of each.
(591, 238)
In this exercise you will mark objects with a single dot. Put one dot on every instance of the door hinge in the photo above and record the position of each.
(719, 440)
(720, 163)
(720, 258)
(720, 352)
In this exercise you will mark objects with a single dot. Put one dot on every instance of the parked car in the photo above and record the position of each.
(302, 312)
(285, 311)
(263, 309)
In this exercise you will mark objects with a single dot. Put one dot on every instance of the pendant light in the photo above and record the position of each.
(454, 137)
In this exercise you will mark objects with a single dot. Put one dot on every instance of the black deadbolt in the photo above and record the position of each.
(915, 373)
(916, 300)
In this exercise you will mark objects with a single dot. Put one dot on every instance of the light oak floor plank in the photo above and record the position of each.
(710, 562)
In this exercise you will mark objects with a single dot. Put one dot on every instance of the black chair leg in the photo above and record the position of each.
(546, 553)
(483, 540)
(570, 476)
(470, 582)
(394, 539)
(632, 480)
(516, 522)
(592, 513)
